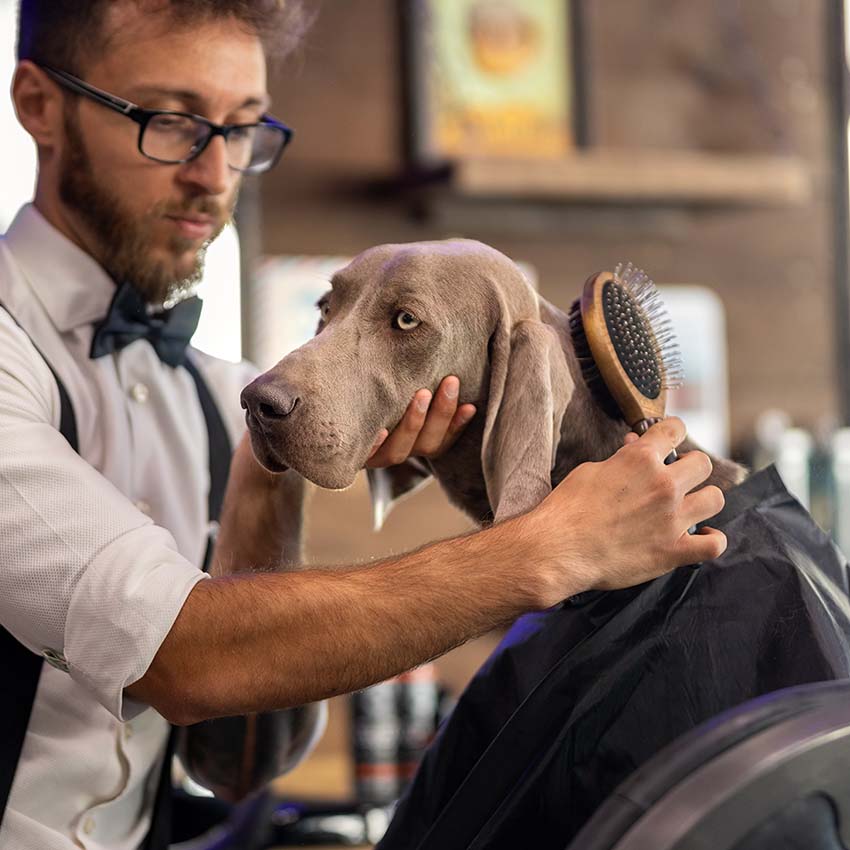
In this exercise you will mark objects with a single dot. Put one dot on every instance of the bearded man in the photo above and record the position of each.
(147, 115)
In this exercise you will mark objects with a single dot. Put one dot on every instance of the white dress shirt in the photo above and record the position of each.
(98, 550)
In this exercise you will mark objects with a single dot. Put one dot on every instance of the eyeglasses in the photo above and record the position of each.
(176, 137)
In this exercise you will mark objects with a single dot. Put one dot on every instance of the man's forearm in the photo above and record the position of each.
(277, 640)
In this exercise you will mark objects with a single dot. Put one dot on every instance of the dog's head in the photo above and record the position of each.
(400, 318)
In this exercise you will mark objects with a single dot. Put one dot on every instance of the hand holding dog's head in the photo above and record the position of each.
(397, 319)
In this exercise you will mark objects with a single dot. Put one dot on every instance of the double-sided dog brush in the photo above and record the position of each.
(626, 346)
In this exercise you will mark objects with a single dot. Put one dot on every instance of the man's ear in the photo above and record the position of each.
(530, 388)
(38, 104)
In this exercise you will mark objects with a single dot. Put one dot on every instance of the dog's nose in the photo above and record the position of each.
(268, 402)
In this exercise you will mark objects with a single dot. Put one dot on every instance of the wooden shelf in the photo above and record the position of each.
(644, 176)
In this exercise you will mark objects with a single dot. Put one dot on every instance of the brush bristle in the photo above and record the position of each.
(644, 335)
(641, 332)
(590, 371)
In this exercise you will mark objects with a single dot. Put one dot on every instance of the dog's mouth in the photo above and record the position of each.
(263, 446)
(307, 451)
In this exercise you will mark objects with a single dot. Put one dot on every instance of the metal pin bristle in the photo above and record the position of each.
(662, 342)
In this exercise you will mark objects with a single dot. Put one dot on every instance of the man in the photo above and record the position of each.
(146, 114)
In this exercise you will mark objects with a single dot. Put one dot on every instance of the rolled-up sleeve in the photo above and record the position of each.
(87, 579)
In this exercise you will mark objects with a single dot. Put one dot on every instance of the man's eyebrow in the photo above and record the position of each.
(191, 97)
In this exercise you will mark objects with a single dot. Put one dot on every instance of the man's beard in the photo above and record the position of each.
(124, 241)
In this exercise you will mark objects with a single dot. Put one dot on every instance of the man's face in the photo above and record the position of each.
(144, 221)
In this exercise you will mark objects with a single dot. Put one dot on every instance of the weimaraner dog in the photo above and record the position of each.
(399, 318)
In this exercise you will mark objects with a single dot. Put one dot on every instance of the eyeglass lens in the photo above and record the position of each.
(176, 138)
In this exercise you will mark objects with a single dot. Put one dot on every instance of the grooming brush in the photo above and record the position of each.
(626, 346)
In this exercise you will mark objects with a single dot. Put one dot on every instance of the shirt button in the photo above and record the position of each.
(140, 393)
(143, 506)
(89, 825)
(128, 731)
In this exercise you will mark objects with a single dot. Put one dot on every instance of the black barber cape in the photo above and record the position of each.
(575, 699)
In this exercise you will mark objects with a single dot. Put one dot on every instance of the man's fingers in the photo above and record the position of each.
(428, 427)
(379, 441)
(664, 436)
(460, 420)
(397, 447)
(439, 419)
(706, 545)
(690, 470)
(702, 505)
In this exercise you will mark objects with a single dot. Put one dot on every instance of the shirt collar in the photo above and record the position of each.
(70, 284)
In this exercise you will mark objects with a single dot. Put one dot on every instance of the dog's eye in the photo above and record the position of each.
(324, 310)
(406, 321)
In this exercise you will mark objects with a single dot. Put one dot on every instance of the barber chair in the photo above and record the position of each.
(771, 774)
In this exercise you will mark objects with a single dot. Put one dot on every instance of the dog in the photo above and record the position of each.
(399, 318)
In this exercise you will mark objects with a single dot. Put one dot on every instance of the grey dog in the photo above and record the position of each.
(399, 318)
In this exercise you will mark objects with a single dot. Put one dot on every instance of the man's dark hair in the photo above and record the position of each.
(69, 33)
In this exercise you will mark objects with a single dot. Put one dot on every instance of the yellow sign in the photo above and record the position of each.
(499, 82)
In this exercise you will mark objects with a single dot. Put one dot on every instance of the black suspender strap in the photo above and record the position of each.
(220, 450)
(67, 420)
(21, 668)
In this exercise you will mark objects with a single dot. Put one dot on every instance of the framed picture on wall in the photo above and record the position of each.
(491, 79)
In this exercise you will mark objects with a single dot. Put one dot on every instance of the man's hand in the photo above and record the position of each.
(427, 429)
(626, 520)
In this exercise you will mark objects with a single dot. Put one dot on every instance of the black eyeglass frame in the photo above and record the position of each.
(144, 116)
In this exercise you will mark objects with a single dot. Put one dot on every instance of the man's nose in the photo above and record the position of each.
(269, 402)
(211, 170)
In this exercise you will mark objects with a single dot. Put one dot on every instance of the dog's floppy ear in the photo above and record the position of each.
(530, 388)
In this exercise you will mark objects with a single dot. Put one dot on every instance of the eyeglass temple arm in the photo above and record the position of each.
(130, 109)
(71, 82)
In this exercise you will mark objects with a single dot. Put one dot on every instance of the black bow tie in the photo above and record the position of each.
(168, 332)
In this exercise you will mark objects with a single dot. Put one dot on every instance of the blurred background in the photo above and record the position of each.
(707, 142)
